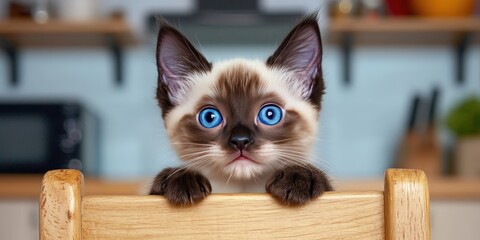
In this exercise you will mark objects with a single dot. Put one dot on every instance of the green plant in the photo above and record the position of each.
(464, 119)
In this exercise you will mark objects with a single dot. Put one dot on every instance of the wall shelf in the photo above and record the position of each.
(405, 25)
(114, 33)
(459, 32)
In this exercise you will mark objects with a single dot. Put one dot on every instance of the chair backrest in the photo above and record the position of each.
(401, 211)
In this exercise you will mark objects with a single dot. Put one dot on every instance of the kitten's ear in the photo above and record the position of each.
(301, 53)
(177, 59)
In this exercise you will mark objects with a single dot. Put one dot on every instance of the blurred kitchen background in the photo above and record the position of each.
(78, 77)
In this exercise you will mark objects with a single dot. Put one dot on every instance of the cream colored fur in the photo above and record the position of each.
(278, 81)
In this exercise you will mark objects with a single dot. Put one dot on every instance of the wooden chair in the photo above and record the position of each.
(401, 211)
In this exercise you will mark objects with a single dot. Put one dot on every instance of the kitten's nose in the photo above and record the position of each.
(240, 142)
(240, 137)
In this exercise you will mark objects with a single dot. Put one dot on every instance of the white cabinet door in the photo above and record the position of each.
(18, 219)
(455, 220)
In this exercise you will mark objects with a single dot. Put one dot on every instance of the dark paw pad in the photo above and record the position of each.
(181, 187)
(297, 185)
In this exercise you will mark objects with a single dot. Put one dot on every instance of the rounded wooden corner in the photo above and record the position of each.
(60, 204)
(406, 175)
(67, 176)
(407, 204)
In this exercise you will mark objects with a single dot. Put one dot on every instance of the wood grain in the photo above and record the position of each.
(337, 215)
(60, 205)
(407, 206)
(401, 212)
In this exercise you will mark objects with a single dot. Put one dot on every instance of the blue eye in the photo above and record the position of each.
(270, 115)
(210, 117)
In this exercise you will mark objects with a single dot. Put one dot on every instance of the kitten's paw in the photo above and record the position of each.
(181, 187)
(295, 185)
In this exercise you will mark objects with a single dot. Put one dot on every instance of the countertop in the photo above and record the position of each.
(28, 186)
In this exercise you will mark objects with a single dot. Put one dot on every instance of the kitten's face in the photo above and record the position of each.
(241, 119)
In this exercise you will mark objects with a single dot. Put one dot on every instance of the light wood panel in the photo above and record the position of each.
(60, 205)
(337, 215)
(400, 212)
(407, 205)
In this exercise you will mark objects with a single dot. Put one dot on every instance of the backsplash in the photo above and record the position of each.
(360, 124)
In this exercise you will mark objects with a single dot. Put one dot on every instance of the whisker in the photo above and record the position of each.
(194, 143)
(201, 153)
(296, 139)
(230, 176)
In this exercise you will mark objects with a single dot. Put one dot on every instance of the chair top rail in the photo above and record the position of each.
(336, 215)
(400, 212)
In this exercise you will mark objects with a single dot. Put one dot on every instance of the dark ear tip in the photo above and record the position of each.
(162, 22)
(312, 16)
(164, 28)
(310, 20)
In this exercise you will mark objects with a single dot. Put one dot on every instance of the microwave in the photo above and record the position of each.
(37, 137)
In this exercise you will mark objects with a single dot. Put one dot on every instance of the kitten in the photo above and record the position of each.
(241, 125)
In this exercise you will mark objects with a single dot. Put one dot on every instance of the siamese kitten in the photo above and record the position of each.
(241, 125)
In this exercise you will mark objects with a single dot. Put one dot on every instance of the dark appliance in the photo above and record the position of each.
(37, 137)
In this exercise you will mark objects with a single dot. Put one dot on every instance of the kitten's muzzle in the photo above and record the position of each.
(241, 137)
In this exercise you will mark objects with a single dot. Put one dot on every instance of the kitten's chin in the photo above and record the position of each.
(243, 167)
(243, 170)
(243, 160)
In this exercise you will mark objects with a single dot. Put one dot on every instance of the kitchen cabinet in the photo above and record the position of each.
(18, 219)
(455, 220)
